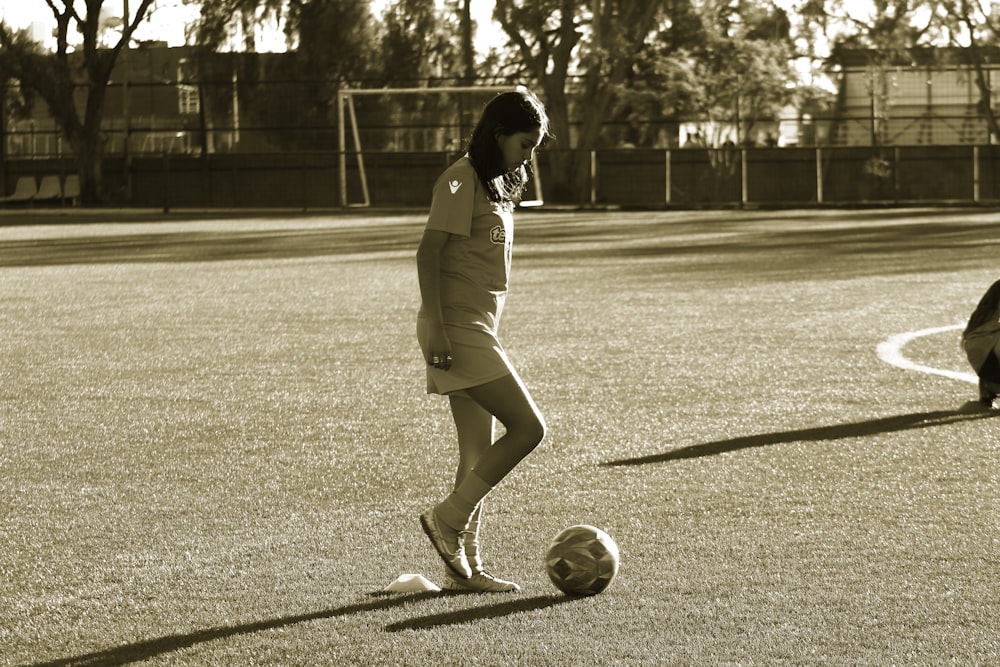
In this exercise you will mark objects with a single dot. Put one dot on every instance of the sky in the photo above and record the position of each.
(166, 22)
(167, 19)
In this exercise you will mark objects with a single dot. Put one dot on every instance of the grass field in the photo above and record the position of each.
(214, 442)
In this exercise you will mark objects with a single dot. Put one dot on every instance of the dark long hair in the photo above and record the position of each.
(506, 114)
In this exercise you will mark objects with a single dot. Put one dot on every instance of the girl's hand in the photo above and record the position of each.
(439, 347)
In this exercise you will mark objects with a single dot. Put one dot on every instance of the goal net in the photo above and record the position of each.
(407, 120)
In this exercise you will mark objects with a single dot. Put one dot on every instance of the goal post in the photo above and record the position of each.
(347, 118)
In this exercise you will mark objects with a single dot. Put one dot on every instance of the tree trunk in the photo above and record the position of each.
(91, 174)
(564, 184)
(468, 48)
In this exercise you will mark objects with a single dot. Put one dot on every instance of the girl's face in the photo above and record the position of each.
(518, 148)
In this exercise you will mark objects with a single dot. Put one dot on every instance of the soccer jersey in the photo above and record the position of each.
(475, 263)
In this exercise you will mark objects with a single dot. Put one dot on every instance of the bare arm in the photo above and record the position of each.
(429, 274)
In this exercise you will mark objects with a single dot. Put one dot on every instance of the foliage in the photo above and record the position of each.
(583, 53)
(744, 67)
(333, 39)
(975, 27)
(612, 72)
(887, 27)
(894, 31)
(72, 81)
(636, 67)
(334, 49)
(418, 44)
(223, 20)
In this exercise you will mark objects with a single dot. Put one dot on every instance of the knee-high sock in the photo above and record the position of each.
(472, 539)
(456, 510)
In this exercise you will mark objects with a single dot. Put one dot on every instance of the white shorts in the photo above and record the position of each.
(477, 357)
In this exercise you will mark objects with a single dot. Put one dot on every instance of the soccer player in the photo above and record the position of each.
(463, 264)
(981, 342)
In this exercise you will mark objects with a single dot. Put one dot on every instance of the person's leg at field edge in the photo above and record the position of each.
(509, 401)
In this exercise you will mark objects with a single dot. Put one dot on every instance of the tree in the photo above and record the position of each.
(887, 31)
(975, 29)
(330, 46)
(418, 44)
(73, 81)
(593, 46)
(666, 84)
(222, 20)
(658, 58)
(333, 48)
(743, 65)
(463, 9)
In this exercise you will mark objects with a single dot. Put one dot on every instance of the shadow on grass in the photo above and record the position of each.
(151, 648)
(819, 434)
(480, 613)
(208, 246)
(863, 234)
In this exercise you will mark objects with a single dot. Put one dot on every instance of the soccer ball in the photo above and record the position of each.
(582, 560)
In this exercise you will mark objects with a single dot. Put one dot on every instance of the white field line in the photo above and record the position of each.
(891, 352)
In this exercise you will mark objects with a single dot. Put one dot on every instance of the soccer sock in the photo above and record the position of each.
(472, 545)
(456, 510)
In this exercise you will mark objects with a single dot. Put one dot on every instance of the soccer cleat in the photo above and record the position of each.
(480, 582)
(449, 543)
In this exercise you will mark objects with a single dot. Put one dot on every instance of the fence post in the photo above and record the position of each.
(236, 179)
(166, 182)
(304, 167)
(744, 194)
(593, 177)
(342, 156)
(666, 177)
(3, 139)
(976, 193)
(819, 175)
(895, 174)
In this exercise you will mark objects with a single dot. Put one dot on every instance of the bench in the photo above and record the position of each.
(27, 190)
(24, 191)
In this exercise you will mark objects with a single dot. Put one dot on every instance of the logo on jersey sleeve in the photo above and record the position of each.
(454, 185)
(498, 235)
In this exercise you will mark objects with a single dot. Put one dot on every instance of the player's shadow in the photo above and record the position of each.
(480, 613)
(916, 420)
(151, 648)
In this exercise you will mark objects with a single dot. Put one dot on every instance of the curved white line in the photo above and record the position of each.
(891, 352)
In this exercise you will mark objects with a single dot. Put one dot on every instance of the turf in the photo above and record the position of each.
(214, 442)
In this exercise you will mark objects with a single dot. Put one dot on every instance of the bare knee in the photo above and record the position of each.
(533, 431)
(540, 430)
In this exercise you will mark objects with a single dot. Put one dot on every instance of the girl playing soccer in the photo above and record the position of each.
(981, 342)
(463, 264)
